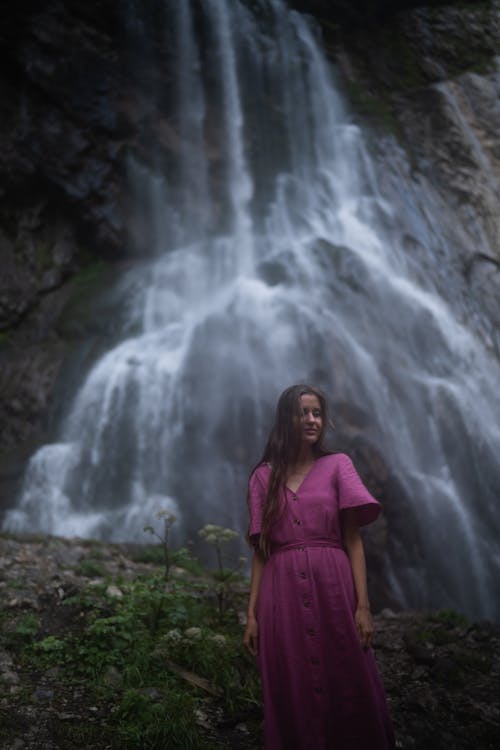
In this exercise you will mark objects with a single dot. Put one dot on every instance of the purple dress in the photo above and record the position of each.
(321, 689)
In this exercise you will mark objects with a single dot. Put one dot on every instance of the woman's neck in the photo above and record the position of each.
(305, 458)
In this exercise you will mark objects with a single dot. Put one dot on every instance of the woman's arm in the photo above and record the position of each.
(354, 548)
(251, 635)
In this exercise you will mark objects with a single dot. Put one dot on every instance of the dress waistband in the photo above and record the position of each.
(304, 543)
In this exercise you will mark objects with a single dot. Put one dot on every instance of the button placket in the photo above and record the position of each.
(296, 519)
(308, 614)
(310, 629)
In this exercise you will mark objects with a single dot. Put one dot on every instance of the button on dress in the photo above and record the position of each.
(321, 690)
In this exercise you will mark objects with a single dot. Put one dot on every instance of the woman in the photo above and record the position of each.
(309, 622)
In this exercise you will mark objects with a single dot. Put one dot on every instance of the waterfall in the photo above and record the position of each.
(279, 251)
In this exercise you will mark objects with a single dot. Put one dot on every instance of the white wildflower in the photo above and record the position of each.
(168, 517)
(217, 534)
(193, 634)
(227, 534)
(174, 635)
(209, 528)
(218, 639)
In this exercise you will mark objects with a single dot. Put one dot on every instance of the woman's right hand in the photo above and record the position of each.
(251, 636)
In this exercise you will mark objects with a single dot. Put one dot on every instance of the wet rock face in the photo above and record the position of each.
(37, 257)
(60, 132)
(431, 75)
(349, 12)
(65, 136)
(427, 80)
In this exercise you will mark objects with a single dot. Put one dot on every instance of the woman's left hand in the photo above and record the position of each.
(364, 626)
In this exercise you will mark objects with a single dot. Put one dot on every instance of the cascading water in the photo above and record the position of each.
(277, 260)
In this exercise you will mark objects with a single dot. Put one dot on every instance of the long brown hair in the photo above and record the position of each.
(282, 450)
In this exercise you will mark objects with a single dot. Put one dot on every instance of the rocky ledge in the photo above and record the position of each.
(442, 673)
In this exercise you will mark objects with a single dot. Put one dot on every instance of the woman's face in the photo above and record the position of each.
(311, 421)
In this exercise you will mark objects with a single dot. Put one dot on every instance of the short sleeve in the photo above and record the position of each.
(352, 493)
(256, 496)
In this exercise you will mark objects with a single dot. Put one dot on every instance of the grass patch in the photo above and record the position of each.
(155, 724)
(116, 653)
(441, 627)
(144, 669)
(449, 618)
(21, 632)
(183, 558)
(90, 568)
(154, 554)
(151, 554)
(10, 584)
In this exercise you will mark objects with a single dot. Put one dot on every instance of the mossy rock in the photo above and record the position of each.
(78, 317)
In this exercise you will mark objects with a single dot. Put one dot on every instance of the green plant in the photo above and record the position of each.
(150, 553)
(149, 602)
(112, 633)
(184, 559)
(87, 600)
(134, 639)
(45, 653)
(168, 521)
(449, 618)
(219, 536)
(11, 584)
(157, 724)
(24, 631)
(90, 568)
(216, 656)
(50, 645)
